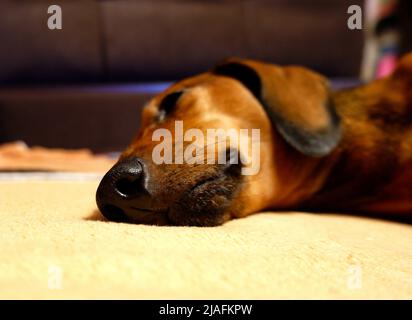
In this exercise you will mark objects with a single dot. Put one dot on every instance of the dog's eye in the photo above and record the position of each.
(168, 103)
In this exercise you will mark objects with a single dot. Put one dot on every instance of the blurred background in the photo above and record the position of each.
(84, 86)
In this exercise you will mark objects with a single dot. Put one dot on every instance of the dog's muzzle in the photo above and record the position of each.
(123, 195)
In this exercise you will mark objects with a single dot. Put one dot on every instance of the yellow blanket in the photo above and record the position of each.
(53, 244)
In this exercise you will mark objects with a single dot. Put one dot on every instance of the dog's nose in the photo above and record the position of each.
(127, 178)
(123, 184)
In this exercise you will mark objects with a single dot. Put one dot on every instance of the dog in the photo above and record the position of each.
(348, 150)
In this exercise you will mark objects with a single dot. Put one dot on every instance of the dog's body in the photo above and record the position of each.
(348, 151)
(371, 168)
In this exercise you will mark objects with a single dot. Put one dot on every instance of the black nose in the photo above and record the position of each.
(123, 186)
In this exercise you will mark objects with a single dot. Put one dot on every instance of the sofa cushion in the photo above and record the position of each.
(55, 226)
(103, 118)
(172, 39)
(31, 53)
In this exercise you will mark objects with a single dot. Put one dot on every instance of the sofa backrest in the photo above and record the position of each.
(127, 40)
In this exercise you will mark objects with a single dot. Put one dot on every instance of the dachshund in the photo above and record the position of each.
(321, 150)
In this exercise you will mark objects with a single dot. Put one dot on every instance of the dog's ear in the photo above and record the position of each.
(296, 100)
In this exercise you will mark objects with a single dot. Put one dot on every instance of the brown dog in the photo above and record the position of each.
(346, 151)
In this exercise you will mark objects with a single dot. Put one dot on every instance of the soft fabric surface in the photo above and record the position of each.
(49, 226)
(19, 157)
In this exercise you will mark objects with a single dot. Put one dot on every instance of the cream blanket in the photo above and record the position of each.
(53, 244)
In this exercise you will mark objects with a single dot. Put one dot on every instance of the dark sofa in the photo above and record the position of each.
(85, 85)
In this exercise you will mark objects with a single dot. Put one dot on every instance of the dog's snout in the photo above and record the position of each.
(128, 178)
(123, 185)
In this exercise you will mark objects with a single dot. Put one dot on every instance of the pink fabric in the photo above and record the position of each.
(386, 65)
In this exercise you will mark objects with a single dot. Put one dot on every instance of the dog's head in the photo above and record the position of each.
(176, 172)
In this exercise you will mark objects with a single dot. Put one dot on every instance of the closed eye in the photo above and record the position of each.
(167, 105)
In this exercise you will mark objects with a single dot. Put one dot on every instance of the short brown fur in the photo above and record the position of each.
(370, 170)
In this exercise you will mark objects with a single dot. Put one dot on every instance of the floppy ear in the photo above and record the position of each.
(296, 100)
